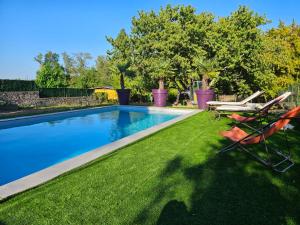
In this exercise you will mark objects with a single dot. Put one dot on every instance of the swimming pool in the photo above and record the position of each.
(31, 144)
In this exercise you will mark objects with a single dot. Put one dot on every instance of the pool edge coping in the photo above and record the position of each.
(42, 176)
(93, 108)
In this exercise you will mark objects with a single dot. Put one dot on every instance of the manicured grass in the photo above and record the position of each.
(172, 177)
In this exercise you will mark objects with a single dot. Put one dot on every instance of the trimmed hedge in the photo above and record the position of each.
(64, 92)
(18, 85)
(29, 85)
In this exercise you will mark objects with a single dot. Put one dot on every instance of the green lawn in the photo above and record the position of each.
(172, 177)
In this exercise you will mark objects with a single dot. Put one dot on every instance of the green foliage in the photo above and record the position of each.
(178, 46)
(172, 95)
(208, 69)
(17, 85)
(120, 56)
(175, 46)
(281, 57)
(64, 92)
(103, 73)
(101, 96)
(237, 44)
(84, 75)
(51, 74)
(294, 100)
(164, 43)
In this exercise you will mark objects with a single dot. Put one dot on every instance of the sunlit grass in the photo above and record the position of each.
(171, 177)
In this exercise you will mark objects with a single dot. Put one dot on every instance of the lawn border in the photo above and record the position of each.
(47, 174)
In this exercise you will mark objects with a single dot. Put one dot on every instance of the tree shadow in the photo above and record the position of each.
(174, 213)
(229, 188)
(236, 194)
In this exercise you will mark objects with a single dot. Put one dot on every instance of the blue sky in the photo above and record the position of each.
(31, 26)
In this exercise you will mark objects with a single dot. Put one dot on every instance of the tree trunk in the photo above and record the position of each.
(161, 84)
(177, 98)
(122, 81)
(205, 82)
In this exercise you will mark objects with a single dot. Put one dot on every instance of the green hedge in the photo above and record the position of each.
(18, 85)
(64, 92)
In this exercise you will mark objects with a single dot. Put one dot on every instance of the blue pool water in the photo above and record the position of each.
(29, 145)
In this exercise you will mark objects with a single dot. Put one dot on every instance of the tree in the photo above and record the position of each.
(238, 42)
(281, 57)
(69, 64)
(77, 67)
(103, 72)
(50, 74)
(175, 46)
(208, 69)
(163, 44)
(120, 56)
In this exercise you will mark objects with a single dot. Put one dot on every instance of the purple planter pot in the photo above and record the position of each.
(160, 97)
(123, 96)
(204, 96)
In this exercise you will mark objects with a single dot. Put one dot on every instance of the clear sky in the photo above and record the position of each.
(28, 27)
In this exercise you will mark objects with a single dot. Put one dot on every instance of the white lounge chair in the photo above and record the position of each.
(254, 107)
(246, 100)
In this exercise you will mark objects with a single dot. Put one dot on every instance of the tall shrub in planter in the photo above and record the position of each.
(161, 71)
(163, 47)
(120, 59)
(208, 71)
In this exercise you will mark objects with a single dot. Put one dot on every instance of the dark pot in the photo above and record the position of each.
(204, 96)
(123, 96)
(160, 97)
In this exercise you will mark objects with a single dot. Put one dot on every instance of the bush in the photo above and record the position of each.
(18, 85)
(101, 96)
(172, 95)
(64, 92)
(140, 98)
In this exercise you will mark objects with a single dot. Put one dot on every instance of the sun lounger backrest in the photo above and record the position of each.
(256, 94)
(273, 128)
(279, 99)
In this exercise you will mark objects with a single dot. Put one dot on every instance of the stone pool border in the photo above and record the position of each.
(49, 173)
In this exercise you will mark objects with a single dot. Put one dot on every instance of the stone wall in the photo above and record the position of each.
(32, 99)
(20, 98)
(59, 101)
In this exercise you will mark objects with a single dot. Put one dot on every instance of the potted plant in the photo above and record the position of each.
(209, 72)
(161, 69)
(123, 93)
(120, 59)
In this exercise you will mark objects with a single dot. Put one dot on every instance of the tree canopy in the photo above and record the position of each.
(179, 46)
(51, 73)
(174, 46)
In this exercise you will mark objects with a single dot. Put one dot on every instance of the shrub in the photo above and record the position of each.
(101, 96)
(17, 85)
(172, 95)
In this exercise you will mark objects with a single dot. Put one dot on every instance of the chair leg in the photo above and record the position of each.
(285, 158)
(259, 159)
(229, 147)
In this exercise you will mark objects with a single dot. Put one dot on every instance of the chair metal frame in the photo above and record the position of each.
(284, 155)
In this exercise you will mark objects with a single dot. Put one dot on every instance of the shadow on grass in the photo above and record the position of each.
(230, 188)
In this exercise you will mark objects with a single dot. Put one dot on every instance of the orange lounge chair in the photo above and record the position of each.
(242, 139)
